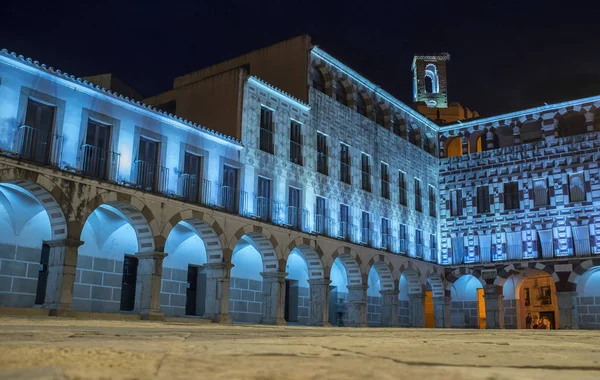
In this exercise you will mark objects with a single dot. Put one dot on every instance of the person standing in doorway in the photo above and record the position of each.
(528, 321)
(340, 308)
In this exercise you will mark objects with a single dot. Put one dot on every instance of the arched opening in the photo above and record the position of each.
(373, 299)
(572, 124)
(183, 290)
(431, 79)
(318, 79)
(107, 266)
(403, 303)
(428, 145)
(25, 225)
(529, 298)
(478, 142)
(468, 306)
(411, 299)
(341, 95)
(338, 294)
(411, 135)
(297, 289)
(588, 295)
(398, 126)
(454, 147)
(379, 116)
(505, 137)
(531, 131)
(361, 104)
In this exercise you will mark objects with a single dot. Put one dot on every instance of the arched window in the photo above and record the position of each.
(318, 79)
(432, 83)
(397, 126)
(531, 131)
(454, 147)
(427, 145)
(411, 135)
(478, 142)
(361, 105)
(505, 137)
(340, 93)
(572, 124)
(379, 119)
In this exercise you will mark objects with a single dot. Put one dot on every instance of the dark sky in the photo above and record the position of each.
(506, 55)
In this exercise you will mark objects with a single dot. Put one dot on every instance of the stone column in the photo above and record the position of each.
(441, 311)
(273, 298)
(216, 303)
(494, 307)
(148, 283)
(357, 305)
(62, 264)
(318, 314)
(567, 310)
(417, 310)
(389, 308)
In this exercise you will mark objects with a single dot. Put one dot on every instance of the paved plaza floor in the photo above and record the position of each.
(50, 348)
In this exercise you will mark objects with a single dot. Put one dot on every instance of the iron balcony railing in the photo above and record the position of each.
(152, 177)
(386, 242)
(347, 231)
(268, 210)
(324, 225)
(295, 152)
(297, 218)
(419, 250)
(195, 189)
(99, 163)
(432, 254)
(43, 148)
(365, 236)
(233, 200)
(403, 246)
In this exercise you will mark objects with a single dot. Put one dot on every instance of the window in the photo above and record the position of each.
(322, 159)
(483, 199)
(266, 130)
(456, 208)
(294, 214)
(385, 180)
(432, 201)
(320, 215)
(576, 188)
(345, 163)
(192, 184)
(365, 168)
(230, 197)
(403, 238)
(365, 237)
(318, 79)
(340, 93)
(344, 222)
(386, 238)
(402, 188)
(419, 243)
(432, 247)
(540, 193)
(418, 196)
(150, 176)
(263, 199)
(361, 105)
(35, 137)
(295, 143)
(95, 152)
(511, 196)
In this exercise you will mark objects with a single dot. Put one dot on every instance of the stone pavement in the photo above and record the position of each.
(50, 348)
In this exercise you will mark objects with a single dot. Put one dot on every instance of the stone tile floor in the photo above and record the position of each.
(50, 348)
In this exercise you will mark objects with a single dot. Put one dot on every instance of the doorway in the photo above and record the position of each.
(196, 291)
(291, 301)
(429, 317)
(130, 265)
(40, 294)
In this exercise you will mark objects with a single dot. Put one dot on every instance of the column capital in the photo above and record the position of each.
(279, 275)
(319, 281)
(67, 242)
(151, 255)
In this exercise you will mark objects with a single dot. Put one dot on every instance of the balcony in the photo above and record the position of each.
(268, 210)
(365, 237)
(99, 163)
(195, 189)
(347, 232)
(151, 177)
(386, 242)
(233, 200)
(297, 218)
(403, 246)
(419, 251)
(42, 148)
(324, 225)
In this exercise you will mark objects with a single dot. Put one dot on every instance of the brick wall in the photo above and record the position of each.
(589, 312)
(373, 311)
(303, 305)
(510, 314)
(173, 292)
(245, 300)
(463, 314)
(403, 313)
(97, 285)
(19, 269)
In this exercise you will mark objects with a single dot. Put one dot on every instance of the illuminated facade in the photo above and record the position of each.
(330, 192)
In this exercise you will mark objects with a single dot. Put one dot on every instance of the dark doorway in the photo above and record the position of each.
(191, 294)
(333, 298)
(550, 316)
(291, 301)
(40, 294)
(128, 285)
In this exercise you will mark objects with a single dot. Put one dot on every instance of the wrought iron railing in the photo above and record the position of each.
(233, 200)
(386, 242)
(403, 246)
(195, 189)
(347, 231)
(43, 148)
(99, 163)
(419, 250)
(365, 236)
(152, 177)
(297, 218)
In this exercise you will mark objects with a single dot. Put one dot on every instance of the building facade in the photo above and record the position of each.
(330, 194)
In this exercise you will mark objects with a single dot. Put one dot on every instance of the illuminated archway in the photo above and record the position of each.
(453, 147)
(588, 293)
(468, 305)
(532, 292)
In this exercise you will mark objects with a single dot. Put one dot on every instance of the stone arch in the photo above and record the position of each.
(514, 268)
(478, 141)
(364, 100)
(58, 222)
(436, 281)
(581, 268)
(143, 221)
(319, 67)
(382, 114)
(571, 123)
(398, 125)
(429, 143)
(352, 264)
(504, 135)
(344, 92)
(413, 278)
(206, 227)
(385, 270)
(531, 131)
(312, 253)
(431, 73)
(263, 241)
(453, 146)
(459, 272)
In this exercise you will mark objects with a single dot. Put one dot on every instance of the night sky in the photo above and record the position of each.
(505, 56)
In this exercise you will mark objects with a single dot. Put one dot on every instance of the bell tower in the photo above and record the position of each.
(429, 79)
